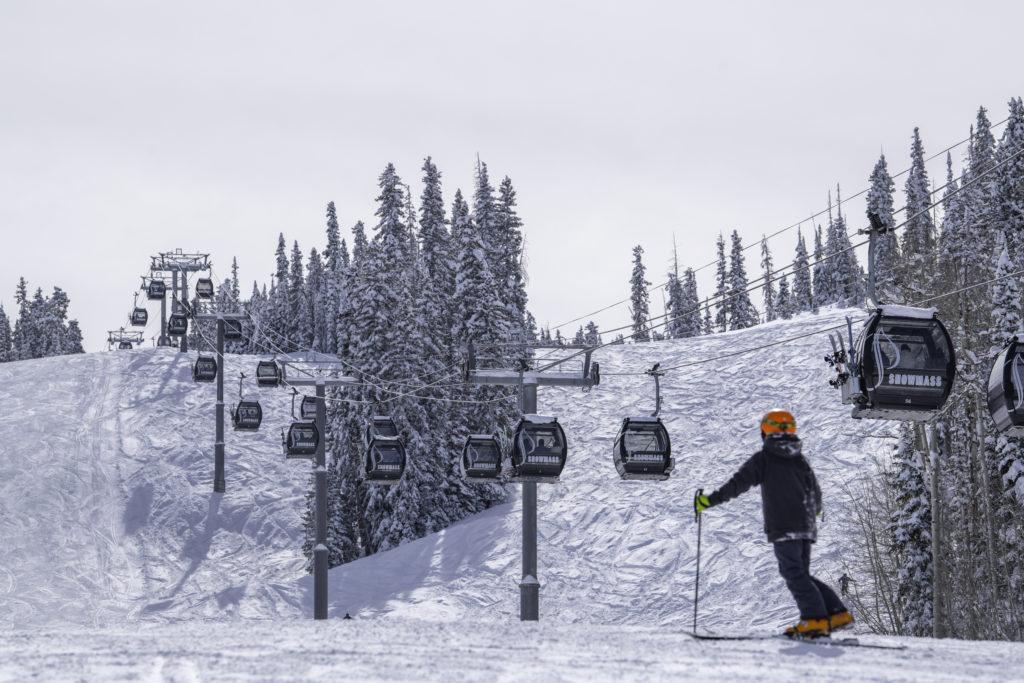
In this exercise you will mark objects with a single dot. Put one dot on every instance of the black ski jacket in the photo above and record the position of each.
(790, 494)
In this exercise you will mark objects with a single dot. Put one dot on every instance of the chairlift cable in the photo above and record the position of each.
(790, 227)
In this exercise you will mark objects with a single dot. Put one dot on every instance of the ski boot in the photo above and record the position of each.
(808, 629)
(840, 620)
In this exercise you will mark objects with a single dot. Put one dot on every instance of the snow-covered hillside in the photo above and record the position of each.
(108, 520)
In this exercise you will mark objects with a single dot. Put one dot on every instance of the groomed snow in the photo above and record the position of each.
(120, 563)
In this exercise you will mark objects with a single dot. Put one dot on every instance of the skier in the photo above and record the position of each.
(791, 499)
(844, 584)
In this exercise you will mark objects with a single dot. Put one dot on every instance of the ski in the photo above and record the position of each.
(832, 642)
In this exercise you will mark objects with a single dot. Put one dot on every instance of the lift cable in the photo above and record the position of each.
(790, 227)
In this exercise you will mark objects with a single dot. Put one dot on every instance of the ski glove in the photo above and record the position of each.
(700, 502)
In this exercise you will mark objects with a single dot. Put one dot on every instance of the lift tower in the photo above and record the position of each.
(179, 265)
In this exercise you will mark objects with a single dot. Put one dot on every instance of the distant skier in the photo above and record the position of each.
(844, 584)
(791, 499)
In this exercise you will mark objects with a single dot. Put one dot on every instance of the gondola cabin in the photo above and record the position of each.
(124, 346)
(301, 440)
(381, 427)
(1006, 389)
(177, 325)
(205, 369)
(383, 460)
(139, 317)
(267, 374)
(481, 458)
(903, 366)
(539, 449)
(308, 408)
(204, 288)
(247, 415)
(156, 290)
(232, 329)
(642, 449)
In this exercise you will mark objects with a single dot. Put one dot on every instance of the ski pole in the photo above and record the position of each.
(696, 588)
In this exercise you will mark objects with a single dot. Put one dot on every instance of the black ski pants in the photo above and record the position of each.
(815, 599)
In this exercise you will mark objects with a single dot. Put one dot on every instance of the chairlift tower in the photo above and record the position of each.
(528, 380)
(319, 374)
(178, 263)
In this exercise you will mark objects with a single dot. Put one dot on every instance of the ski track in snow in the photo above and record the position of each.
(120, 563)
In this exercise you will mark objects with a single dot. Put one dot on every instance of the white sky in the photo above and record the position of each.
(130, 128)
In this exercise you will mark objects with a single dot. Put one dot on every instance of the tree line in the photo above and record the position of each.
(42, 328)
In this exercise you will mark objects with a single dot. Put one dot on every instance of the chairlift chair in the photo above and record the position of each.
(247, 415)
(267, 374)
(156, 290)
(642, 449)
(481, 458)
(301, 441)
(903, 366)
(204, 288)
(177, 325)
(232, 329)
(1006, 389)
(205, 369)
(384, 454)
(307, 410)
(124, 346)
(539, 449)
(139, 317)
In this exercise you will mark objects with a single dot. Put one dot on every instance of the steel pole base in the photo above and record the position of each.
(320, 582)
(529, 599)
(219, 486)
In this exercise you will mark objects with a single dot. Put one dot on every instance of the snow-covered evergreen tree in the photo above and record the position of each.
(298, 326)
(919, 230)
(6, 336)
(742, 313)
(1007, 186)
(674, 310)
(639, 307)
(278, 315)
(803, 297)
(72, 341)
(880, 203)
(770, 297)
(721, 286)
(691, 322)
(912, 536)
(315, 302)
(592, 337)
(784, 301)
(709, 324)
(844, 269)
(823, 294)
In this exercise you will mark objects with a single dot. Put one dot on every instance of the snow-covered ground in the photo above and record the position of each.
(119, 562)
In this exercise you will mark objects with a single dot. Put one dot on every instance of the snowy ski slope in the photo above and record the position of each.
(110, 530)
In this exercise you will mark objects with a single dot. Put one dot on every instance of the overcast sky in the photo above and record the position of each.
(130, 128)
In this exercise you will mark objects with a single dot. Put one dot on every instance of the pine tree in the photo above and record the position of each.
(691, 326)
(742, 313)
(880, 203)
(1007, 188)
(335, 264)
(298, 326)
(845, 282)
(919, 231)
(6, 337)
(803, 297)
(770, 297)
(721, 287)
(823, 294)
(277, 322)
(72, 340)
(639, 306)
(1007, 324)
(509, 269)
(709, 325)
(784, 301)
(592, 337)
(316, 302)
(674, 310)
(911, 532)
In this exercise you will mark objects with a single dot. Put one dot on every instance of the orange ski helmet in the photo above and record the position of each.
(778, 421)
